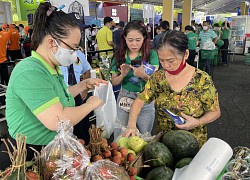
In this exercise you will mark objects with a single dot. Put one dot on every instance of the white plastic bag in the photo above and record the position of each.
(107, 113)
(208, 45)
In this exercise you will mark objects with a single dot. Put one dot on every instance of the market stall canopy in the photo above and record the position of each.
(207, 6)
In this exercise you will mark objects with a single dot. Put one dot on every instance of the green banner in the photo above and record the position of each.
(27, 9)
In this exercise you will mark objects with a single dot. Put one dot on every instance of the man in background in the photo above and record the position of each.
(164, 26)
(192, 43)
(14, 46)
(104, 36)
(4, 40)
(117, 34)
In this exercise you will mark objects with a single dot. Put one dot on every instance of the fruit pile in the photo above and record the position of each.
(64, 157)
(176, 150)
(99, 149)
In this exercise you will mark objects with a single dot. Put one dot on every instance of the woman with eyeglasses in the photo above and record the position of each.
(37, 97)
(128, 70)
(179, 88)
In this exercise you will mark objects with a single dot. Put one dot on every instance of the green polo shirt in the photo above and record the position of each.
(34, 86)
(192, 40)
(126, 84)
(225, 33)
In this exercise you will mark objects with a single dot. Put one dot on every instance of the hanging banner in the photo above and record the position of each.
(81, 6)
(27, 9)
(5, 13)
(136, 14)
(148, 11)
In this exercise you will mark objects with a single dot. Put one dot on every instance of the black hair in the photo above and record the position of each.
(49, 21)
(174, 39)
(164, 25)
(223, 24)
(189, 28)
(216, 25)
(107, 20)
(121, 23)
(21, 25)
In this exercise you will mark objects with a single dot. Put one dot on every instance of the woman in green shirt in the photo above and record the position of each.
(225, 35)
(179, 88)
(128, 70)
(37, 97)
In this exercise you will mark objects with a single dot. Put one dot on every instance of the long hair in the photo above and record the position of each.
(145, 48)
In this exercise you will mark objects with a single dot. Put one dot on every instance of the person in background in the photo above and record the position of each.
(88, 36)
(149, 30)
(104, 36)
(22, 36)
(117, 34)
(217, 30)
(225, 35)
(176, 26)
(179, 88)
(207, 35)
(157, 30)
(72, 75)
(192, 43)
(198, 29)
(27, 41)
(21, 31)
(127, 69)
(193, 25)
(4, 41)
(14, 46)
(37, 96)
(164, 26)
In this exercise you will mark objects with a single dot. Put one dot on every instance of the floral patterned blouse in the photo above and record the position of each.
(198, 97)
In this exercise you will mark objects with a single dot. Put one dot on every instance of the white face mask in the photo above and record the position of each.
(216, 28)
(205, 28)
(177, 28)
(64, 56)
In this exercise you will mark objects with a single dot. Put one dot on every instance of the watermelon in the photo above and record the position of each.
(181, 143)
(157, 154)
(183, 162)
(160, 173)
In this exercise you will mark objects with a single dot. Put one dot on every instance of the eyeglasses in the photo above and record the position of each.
(71, 48)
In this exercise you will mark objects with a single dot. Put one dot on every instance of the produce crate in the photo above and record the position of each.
(207, 54)
(143, 170)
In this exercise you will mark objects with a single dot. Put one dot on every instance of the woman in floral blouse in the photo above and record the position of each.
(179, 88)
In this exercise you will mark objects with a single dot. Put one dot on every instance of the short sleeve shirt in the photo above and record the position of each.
(225, 33)
(79, 68)
(14, 40)
(197, 98)
(104, 35)
(4, 39)
(126, 83)
(205, 36)
(192, 40)
(33, 87)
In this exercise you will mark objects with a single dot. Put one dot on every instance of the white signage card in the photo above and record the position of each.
(81, 6)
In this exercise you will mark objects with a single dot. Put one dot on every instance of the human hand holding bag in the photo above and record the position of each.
(107, 113)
